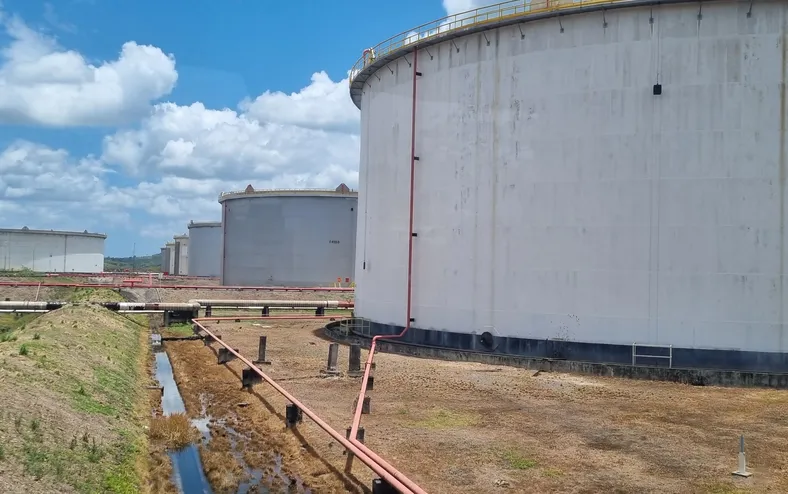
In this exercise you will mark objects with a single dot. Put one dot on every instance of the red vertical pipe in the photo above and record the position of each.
(357, 415)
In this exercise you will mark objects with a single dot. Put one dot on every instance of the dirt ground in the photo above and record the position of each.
(471, 428)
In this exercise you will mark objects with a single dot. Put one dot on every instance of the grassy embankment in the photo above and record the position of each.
(74, 404)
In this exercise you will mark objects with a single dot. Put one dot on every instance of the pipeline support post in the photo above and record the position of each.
(249, 378)
(207, 311)
(365, 406)
(224, 355)
(333, 357)
(354, 362)
(293, 415)
(266, 311)
(359, 434)
(380, 486)
(261, 351)
(320, 311)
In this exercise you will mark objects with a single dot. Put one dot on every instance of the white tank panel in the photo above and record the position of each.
(52, 251)
(205, 246)
(302, 238)
(557, 197)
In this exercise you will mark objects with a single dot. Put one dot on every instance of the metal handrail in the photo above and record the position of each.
(635, 355)
(255, 191)
(464, 20)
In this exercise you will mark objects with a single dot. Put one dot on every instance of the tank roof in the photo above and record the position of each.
(204, 224)
(26, 230)
(472, 21)
(341, 191)
(180, 237)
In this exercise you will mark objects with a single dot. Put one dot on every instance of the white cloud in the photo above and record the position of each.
(323, 104)
(196, 142)
(456, 6)
(175, 159)
(43, 84)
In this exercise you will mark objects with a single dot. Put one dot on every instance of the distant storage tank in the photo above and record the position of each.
(205, 249)
(165, 262)
(288, 237)
(581, 190)
(171, 258)
(181, 253)
(51, 251)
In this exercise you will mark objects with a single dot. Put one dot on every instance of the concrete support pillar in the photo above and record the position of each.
(365, 407)
(207, 311)
(381, 486)
(249, 378)
(293, 415)
(224, 356)
(266, 311)
(354, 362)
(261, 352)
(359, 434)
(320, 311)
(333, 357)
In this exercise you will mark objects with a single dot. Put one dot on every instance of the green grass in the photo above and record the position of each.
(518, 461)
(179, 329)
(92, 360)
(446, 419)
(77, 295)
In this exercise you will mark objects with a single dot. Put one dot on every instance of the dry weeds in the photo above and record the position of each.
(173, 431)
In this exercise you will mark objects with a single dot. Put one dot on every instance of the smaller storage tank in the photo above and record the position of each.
(181, 255)
(164, 263)
(51, 251)
(205, 248)
(170, 258)
(288, 237)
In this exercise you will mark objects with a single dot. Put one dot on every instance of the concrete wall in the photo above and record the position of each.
(205, 247)
(294, 241)
(54, 252)
(558, 198)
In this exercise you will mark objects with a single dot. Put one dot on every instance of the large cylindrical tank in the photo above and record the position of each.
(288, 237)
(584, 185)
(164, 260)
(205, 248)
(51, 251)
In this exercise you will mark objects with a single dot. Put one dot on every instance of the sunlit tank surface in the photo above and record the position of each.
(51, 251)
(205, 248)
(171, 257)
(288, 237)
(181, 254)
(611, 177)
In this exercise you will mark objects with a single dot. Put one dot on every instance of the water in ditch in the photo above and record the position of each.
(188, 474)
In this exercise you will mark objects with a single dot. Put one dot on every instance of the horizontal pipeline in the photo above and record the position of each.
(180, 287)
(330, 304)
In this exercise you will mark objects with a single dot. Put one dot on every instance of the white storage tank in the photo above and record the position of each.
(51, 251)
(181, 254)
(582, 183)
(288, 237)
(171, 258)
(205, 248)
(165, 262)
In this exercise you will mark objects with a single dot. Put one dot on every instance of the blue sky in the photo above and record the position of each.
(128, 117)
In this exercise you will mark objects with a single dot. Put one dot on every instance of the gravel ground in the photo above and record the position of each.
(471, 428)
